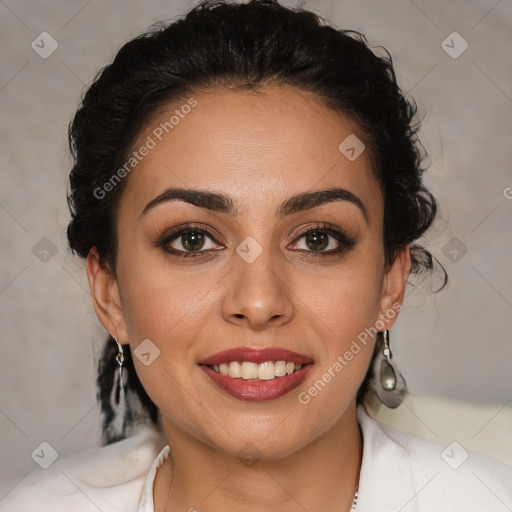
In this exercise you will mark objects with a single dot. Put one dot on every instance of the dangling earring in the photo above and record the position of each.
(388, 383)
(118, 397)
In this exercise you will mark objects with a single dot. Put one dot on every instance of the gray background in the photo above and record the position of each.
(454, 344)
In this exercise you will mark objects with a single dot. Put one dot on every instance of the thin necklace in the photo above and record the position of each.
(354, 502)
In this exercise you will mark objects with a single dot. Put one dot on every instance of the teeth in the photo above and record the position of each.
(235, 369)
(264, 371)
(280, 367)
(249, 370)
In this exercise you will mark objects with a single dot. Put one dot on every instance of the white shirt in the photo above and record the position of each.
(399, 472)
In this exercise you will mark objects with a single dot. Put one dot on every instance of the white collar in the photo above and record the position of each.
(372, 451)
(404, 473)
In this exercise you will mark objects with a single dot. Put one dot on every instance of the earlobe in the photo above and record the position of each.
(105, 297)
(393, 288)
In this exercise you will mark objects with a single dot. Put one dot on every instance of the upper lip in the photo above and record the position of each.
(256, 355)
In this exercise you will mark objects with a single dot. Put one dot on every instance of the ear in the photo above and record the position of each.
(105, 297)
(393, 287)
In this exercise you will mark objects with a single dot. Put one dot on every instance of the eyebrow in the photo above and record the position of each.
(222, 203)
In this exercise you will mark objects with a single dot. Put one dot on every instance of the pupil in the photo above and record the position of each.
(317, 238)
(192, 240)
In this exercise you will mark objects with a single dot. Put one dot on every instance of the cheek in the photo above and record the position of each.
(345, 310)
(160, 300)
(348, 300)
(166, 311)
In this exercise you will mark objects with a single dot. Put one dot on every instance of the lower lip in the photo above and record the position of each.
(258, 390)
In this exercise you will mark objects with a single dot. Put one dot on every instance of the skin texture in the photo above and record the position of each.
(259, 148)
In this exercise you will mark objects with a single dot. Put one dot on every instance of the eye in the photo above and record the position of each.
(323, 240)
(195, 241)
(188, 241)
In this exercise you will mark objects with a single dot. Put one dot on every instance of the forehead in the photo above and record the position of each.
(258, 147)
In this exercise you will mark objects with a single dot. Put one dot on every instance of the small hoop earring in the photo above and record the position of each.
(118, 397)
(388, 382)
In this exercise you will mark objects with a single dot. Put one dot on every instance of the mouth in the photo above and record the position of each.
(267, 370)
(257, 374)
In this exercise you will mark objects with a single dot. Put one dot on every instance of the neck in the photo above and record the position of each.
(321, 476)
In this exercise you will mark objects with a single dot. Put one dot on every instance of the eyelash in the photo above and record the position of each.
(343, 239)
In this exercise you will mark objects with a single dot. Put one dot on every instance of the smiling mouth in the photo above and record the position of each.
(253, 388)
(248, 370)
(257, 374)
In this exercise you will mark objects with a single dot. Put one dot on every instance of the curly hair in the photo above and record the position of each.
(219, 44)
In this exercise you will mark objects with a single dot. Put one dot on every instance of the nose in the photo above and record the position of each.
(257, 294)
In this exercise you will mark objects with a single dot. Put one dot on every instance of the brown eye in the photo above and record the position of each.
(323, 240)
(317, 240)
(192, 240)
(188, 241)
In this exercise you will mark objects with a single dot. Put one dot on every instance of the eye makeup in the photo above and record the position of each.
(193, 236)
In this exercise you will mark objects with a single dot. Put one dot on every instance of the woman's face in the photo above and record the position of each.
(257, 270)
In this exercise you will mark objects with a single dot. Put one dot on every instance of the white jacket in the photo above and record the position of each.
(399, 473)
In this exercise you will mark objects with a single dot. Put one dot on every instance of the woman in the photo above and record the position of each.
(247, 194)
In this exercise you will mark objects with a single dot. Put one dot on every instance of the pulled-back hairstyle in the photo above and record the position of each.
(240, 47)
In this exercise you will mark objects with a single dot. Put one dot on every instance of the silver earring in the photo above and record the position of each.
(118, 397)
(388, 383)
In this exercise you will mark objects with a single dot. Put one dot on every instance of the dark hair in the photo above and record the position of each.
(241, 46)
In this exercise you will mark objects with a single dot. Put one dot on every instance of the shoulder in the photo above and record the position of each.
(109, 479)
(404, 472)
